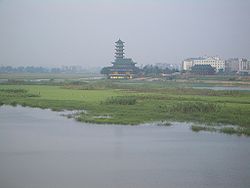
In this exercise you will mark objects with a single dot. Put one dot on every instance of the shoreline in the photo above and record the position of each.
(193, 126)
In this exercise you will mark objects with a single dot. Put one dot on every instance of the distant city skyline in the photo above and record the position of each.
(73, 32)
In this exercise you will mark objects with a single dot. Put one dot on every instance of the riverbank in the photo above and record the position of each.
(135, 103)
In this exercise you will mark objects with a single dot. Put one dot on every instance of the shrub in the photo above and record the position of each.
(13, 90)
(32, 95)
(121, 100)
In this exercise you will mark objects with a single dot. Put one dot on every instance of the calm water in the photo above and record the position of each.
(225, 88)
(40, 149)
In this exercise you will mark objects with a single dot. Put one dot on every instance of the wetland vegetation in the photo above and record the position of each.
(136, 102)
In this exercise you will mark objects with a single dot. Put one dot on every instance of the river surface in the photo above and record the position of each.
(41, 149)
(224, 88)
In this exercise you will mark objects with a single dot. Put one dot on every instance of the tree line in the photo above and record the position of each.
(39, 69)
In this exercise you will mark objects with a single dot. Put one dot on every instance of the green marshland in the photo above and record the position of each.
(137, 102)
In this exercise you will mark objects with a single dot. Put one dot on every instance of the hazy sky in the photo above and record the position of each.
(83, 32)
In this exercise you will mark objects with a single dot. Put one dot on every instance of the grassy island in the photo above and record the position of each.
(137, 102)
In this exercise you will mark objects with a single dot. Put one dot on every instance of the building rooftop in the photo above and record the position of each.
(202, 58)
(195, 58)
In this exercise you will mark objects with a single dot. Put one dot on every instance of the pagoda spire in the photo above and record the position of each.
(119, 49)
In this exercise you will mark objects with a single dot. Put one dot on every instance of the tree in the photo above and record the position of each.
(105, 70)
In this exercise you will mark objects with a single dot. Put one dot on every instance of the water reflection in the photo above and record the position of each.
(118, 147)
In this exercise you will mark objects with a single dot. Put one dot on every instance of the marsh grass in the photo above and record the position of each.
(13, 90)
(192, 107)
(16, 92)
(120, 100)
(235, 130)
(197, 128)
(222, 129)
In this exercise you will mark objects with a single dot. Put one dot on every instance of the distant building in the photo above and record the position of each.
(244, 66)
(123, 68)
(232, 65)
(217, 63)
(167, 66)
(187, 64)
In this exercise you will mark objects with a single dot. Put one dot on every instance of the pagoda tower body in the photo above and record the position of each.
(119, 49)
(123, 68)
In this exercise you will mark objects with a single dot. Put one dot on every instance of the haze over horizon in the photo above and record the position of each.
(73, 32)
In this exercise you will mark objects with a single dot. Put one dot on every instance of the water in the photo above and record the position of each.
(41, 149)
(3, 80)
(225, 88)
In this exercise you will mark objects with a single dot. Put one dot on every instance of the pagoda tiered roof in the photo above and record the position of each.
(119, 42)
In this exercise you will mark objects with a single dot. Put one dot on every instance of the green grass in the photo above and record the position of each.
(126, 102)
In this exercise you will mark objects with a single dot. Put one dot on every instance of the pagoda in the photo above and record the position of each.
(123, 68)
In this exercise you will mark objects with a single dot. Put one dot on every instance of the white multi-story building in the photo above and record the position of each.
(244, 66)
(215, 62)
(187, 64)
